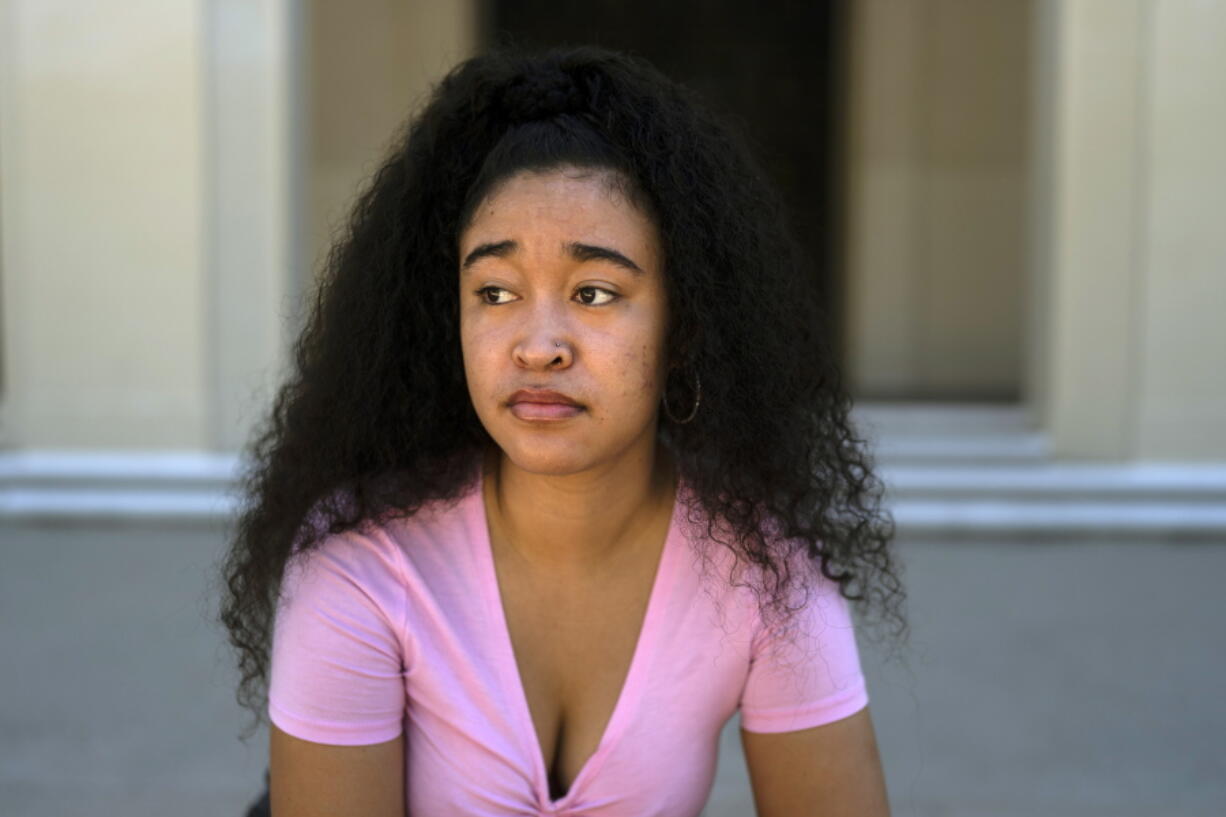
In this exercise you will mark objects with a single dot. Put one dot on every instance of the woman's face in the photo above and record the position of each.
(561, 288)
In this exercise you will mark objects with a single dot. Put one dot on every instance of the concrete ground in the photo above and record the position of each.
(1041, 679)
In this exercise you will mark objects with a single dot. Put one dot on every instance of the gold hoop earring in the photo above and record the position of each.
(697, 400)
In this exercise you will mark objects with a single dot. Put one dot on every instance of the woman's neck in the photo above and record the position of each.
(579, 524)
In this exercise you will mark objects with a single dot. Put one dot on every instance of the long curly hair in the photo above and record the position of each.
(375, 418)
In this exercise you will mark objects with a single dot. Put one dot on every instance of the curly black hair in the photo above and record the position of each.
(375, 419)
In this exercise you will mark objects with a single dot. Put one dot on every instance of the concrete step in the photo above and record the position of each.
(90, 487)
(1053, 500)
(942, 494)
(958, 471)
(950, 433)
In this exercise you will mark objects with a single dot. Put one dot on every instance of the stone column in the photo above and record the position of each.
(103, 225)
(1128, 244)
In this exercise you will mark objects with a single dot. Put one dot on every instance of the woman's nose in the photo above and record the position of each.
(544, 344)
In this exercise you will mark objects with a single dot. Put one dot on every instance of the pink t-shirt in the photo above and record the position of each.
(402, 629)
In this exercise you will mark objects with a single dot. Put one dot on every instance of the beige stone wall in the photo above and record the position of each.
(168, 172)
(938, 164)
(1090, 259)
(1132, 245)
(101, 224)
(1036, 190)
(1034, 207)
(1181, 392)
(254, 130)
(371, 63)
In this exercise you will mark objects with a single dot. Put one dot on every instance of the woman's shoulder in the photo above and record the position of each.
(732, 574)
(363, 558)
(399, 561)
(428, 518)
(436, 522)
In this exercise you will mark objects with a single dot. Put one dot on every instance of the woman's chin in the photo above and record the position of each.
(547, 456)
(547, 463)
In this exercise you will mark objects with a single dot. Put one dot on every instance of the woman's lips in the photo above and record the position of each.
(544, 411)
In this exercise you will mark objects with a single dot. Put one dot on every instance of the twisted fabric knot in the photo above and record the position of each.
(542, 94)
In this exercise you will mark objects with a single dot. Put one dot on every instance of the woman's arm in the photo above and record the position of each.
(833, 770)
(309, 779)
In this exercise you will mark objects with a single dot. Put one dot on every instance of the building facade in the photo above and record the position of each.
(1034, 271)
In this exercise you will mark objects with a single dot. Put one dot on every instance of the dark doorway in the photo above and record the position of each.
(774, 68)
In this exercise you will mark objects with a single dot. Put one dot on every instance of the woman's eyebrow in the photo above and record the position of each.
(500, 249)
(589, 252)
(577, 250)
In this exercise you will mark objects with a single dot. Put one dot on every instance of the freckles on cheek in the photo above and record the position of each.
(639, 364)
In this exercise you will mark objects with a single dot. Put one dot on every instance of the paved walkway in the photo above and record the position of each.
(1079, 679)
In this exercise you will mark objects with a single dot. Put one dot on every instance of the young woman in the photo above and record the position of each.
(563, 479)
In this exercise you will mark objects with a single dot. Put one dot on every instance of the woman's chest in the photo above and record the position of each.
(574, 645)
(604, 694)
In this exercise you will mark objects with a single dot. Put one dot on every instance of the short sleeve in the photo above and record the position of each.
(338, 659)
(808, 676)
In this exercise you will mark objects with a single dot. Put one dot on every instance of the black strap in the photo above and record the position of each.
(262, 807)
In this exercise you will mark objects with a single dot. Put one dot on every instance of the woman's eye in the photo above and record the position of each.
(482, 294)
(611, 298)
(587, 295)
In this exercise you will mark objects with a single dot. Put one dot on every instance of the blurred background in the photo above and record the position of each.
(1015, 210)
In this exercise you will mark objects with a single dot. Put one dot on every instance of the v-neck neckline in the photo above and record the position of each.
(632, 684)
